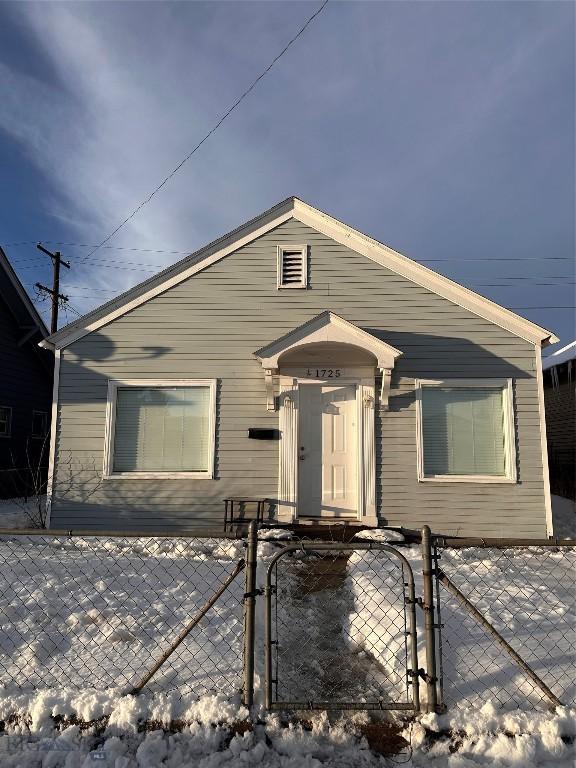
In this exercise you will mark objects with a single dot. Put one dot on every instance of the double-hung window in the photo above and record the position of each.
(160, 429)
(466, 430)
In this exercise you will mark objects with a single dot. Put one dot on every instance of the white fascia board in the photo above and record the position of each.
(327, 327)
(421, 275)
(175, 274)
(544, 444)
(341, 233)
(53, 435)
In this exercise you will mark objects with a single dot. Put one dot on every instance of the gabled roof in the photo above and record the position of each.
(293, 208)
(18, 302)
(327, 327)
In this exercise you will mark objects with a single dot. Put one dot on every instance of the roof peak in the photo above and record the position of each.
(295, 207)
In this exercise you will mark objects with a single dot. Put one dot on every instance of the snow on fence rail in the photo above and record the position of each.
(98, 610)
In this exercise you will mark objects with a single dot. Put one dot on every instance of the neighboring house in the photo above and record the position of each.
(560, 398)
(299, 360)
(25, 387)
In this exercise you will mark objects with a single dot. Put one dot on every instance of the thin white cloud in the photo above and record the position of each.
(364, 110)
(123, 116)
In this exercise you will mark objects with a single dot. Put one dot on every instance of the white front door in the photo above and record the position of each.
(327, 451)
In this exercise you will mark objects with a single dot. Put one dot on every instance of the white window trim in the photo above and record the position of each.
(113, 386)
(9, 409)
(279, 268)
(509, 431)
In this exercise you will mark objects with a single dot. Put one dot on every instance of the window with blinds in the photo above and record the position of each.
(464, 431)
(162, 429)
(292, 266)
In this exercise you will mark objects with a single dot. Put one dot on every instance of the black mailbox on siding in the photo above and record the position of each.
(263, 433)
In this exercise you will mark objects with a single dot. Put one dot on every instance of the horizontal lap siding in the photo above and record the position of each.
(209, 327)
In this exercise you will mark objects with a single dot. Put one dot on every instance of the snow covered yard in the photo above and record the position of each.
(21, 513)
(527, 594)
(321, 651)
(82, 618)
(564, 517)
(96, 612)
(469, 739)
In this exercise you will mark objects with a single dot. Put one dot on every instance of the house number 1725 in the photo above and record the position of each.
(324, 373)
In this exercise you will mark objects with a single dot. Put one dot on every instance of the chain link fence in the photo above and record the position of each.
(338, 626)
(97, 611)
(341, 628)
(527, 594)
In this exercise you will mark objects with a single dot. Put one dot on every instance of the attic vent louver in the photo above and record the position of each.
(292, 266)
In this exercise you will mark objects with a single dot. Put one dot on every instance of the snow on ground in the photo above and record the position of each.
(528, 596)
(463, 739)
(96, 612)
(492, 707)
(100, 610)
(379, 534)
(564, 517)
(486, 736)
(19, 512)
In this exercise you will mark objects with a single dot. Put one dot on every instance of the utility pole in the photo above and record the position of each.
(54, 292)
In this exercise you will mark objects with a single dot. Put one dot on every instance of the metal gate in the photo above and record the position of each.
(340, 628)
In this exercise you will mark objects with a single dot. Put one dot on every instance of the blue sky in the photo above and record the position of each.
(444, 129)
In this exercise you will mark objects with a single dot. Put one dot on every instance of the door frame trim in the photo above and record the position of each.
(366, 446)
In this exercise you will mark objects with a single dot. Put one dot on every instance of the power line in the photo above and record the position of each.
(98, 290)
(478, 285)
(508, 258)
(76, 312)
(532, 277)
(554, 306)
(533, 281)
(150, 268)
(134, 266)
(88, 245)
(56, 297)
(190, 252)
(34, 260)
(212, 130)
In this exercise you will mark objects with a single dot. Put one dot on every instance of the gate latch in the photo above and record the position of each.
(254, 593)
(426, 677)
(416, 601)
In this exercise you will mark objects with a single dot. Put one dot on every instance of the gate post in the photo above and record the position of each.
(429, 627)
(249, 615)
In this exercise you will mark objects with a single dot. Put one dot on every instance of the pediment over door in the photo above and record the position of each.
(327, 330)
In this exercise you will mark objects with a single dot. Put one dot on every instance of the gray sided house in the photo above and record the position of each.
(300, 361)
(25, 388)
